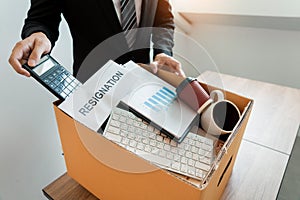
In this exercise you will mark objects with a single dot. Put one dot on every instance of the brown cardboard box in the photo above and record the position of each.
(111, 172)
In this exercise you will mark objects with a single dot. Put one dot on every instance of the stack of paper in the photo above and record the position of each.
(145, 94)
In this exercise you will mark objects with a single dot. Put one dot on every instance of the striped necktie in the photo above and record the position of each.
(129, 21)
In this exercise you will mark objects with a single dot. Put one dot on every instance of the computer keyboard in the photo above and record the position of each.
(192, 157)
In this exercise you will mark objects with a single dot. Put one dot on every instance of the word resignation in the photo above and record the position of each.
(89, 106)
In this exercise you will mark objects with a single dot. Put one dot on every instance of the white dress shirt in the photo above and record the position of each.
(138, 9)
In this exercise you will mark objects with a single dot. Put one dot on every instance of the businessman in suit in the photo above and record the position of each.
(93, 22)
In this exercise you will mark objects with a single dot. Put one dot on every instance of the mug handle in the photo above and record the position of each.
(217, 95)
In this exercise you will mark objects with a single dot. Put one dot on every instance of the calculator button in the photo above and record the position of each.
(60, 69)
(50, 77)
(52, 85)
(64, 83)
(69, 80)
(64, 76)
(67, 73)
(59, 78)
(70, 88)
(64, 95)
(76, 81)
(46, 80)
(66, 90)
(60, 86)
(56, 82)
(73, 84)
(78, 85)
(54, 74)
(58, 90)
(72, 78)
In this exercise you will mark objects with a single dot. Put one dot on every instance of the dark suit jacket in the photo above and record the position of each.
(94, 22)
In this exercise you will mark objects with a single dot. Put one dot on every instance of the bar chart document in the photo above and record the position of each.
(156, 101)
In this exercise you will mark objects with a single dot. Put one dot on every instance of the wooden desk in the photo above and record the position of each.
(65, 188)
(264, 151)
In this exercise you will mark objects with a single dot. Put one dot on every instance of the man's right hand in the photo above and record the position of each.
(30, 49)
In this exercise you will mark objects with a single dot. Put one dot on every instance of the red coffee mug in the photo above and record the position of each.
(193, 94)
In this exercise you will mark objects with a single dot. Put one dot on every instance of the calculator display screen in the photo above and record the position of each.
(43, 67)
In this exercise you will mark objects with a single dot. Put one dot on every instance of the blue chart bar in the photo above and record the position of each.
(161, 99)
(151, 106)
(167, 94)
(168, 100)
(169, 91)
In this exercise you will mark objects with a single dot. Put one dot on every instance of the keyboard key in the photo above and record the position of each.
(194, 149)
(206, 160)
(191, 162)
(123, 133)
(184, 160)
(145, 141)
(132, 143)
(124, 126)
(122, 119)
(167, 147)
(201, 165)
(154, 158)
(115, 124)
(148, 148)
(176, 158)
(150, 128)
(129, 121)
(159, 138)
(140, 146)
(114, 130)
(173, 143)
(152, 137)
(116, 138)
(153, 143)
(181, 152)
(176, 165)
(184, 168)
(144, 126)
(160, 145)
(170, 156)
(189, 154)
(174, 150)
(195, 156)
(145, 133)
(131, 135)
(207, 147)
(191, 171)
(162, 153)
(167, 140)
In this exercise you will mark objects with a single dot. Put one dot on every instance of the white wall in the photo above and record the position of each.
(30, 150)
(265, 54)
(283, 8)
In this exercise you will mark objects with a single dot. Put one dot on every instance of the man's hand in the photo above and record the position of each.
(31, 49)
(163, 61)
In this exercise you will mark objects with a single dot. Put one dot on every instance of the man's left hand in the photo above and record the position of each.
(163, 61)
